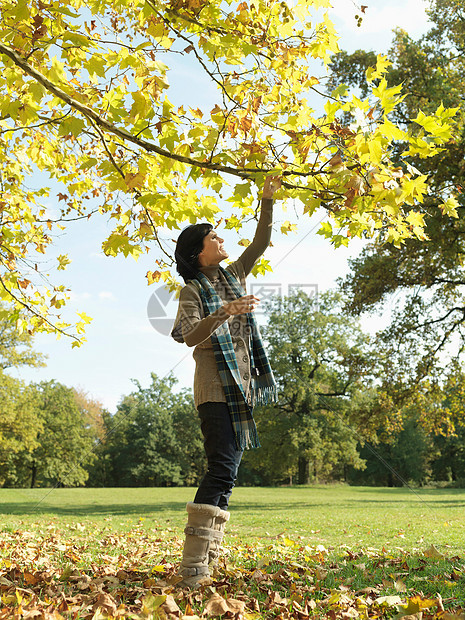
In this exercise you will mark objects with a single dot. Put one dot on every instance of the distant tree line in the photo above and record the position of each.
(334, 420)
(381, 410)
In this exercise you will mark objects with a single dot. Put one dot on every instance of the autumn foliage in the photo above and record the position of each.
(94, 118)
(133, 575)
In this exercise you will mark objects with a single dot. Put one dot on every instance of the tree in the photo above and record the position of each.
(20, 425)
(92, 411)
(15, 347)
(321, 361)
(19, 419)
(405, 457)
(420, 441)
(63, 446)
(85, 100)
(153, 439)
(426, 332)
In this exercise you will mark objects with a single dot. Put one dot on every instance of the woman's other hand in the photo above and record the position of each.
(242, 305)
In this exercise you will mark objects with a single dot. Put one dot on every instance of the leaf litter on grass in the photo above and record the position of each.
(78, 572)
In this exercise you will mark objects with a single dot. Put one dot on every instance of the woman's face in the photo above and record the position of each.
(213, 252)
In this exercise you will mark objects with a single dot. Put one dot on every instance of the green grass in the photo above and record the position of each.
(307, 543)
(328, 515)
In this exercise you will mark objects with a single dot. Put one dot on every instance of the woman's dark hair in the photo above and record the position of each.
(188, 247)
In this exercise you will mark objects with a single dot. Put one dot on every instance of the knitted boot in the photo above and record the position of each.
(200, 532)
(219, 525)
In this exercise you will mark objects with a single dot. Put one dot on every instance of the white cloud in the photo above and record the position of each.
(75, 296)
(106, 295)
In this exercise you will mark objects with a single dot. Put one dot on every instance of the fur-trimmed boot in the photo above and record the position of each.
(200, 532)
(215, 545)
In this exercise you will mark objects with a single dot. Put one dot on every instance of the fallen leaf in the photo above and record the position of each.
(276, 598)
(417, 604)
(170, 605)
(217, 606)
(258, 575)
(400, 586)
(433, 553)
(389, 601)
(321, 573)
(105, 602)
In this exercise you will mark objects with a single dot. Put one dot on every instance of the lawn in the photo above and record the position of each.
(323, 551)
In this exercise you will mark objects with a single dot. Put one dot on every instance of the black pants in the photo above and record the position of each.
(222, 455)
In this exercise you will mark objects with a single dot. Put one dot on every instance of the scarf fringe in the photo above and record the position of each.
(262, 395)
(247, 438)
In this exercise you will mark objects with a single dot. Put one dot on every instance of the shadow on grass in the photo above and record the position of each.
(31, 509)
(153, 501)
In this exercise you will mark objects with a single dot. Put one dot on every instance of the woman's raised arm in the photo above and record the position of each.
(262, 235)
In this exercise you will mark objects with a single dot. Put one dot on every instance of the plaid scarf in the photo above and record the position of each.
(263, 386)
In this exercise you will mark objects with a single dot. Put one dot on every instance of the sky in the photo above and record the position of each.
(123, 345)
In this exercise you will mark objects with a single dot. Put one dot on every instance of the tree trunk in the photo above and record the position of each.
(304, 470)
(33, 474)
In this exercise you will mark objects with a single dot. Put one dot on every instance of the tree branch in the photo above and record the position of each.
(135, 191)
(39, 316)
(149, 147)
(107, 126)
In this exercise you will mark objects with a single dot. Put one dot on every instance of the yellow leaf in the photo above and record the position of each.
(450, 207)
(382, 65)
(151, 603)
(145, 230)
(376, 151)
(135, 180)
(415, 219)
(433, 553)
(153, 276)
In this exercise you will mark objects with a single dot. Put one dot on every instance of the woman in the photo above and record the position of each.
(232, 372)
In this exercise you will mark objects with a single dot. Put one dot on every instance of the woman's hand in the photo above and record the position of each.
(242, 305)
(272, 183)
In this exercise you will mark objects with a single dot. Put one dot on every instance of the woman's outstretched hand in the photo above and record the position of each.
(272, 183)
(242, 305)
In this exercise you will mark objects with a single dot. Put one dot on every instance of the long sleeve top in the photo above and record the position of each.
(194, 328)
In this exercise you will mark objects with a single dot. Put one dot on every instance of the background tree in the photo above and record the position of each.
(92, 411)
(422, 282)
(153, 439)
(422, 442)
(15, 345)
(20, 422)
(64, 443)
(321, 360)
(20, 426)
(403, 457)
(85, 100)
